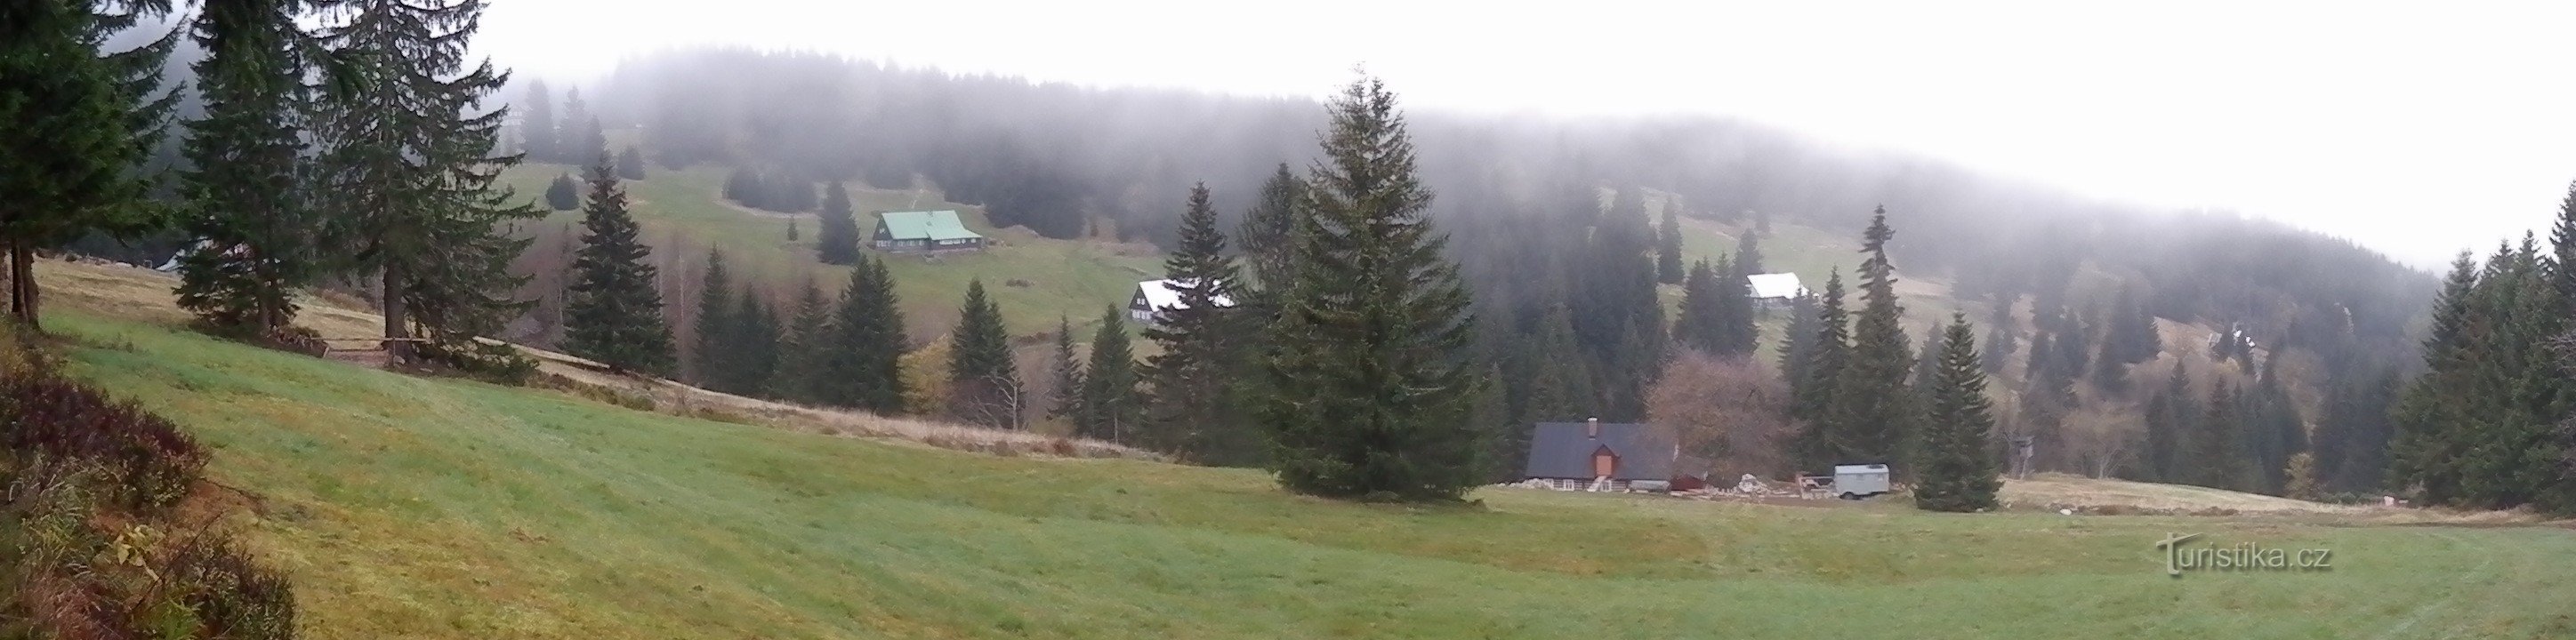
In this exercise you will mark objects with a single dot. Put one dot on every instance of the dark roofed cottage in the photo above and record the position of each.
(1600, 455)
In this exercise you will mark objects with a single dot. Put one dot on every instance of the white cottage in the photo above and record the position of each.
(1774, 288)
(1153, 296)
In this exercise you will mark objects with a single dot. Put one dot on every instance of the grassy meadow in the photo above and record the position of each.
(406, 507)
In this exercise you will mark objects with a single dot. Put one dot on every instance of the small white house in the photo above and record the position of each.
(1153, 296)
(1774, 288)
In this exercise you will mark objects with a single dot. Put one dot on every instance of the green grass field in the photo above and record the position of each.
(419, 508)
(1061, 277)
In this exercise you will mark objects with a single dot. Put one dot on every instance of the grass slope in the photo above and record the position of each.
(408, 507)
(1063, 277)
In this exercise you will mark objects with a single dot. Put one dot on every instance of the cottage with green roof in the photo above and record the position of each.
(924, 231)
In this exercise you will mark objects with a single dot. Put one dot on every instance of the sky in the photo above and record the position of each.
(2417, 130)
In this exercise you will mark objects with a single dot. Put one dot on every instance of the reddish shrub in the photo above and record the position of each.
(53, 421)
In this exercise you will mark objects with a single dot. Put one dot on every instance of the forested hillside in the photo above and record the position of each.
(1563, 274)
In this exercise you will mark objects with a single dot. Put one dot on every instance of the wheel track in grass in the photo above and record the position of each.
(2486, 565)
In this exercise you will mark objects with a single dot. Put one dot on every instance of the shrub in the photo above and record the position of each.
(52, 421)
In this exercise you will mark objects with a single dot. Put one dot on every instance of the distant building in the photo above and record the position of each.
(924, 231)
(1153, 296)
(1602, 456)
(1774, 289)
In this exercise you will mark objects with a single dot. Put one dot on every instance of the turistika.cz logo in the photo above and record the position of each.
(2243, 556)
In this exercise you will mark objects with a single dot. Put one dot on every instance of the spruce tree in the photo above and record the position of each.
(2219, 459)
(245, 206)
(1194, 410)
(1958, 469)
(1748, 252)
(1798, 340)
(802, 347)
(563, 194)
(1999, 343)
(630, 164)
(1374, 305)
(1702, 322)
(1928, 364)
(1266, 229)
(540, 138)
(752, 342)
(1881, 409)
(1736, 333)
(1111, 408)
(1816, 399)
(405, 154)
(1559, 387)
(1668, 246)
(984, 382)
(2562, 244)
(614, 314)
(78, 122)
(1067, 403)
(1618, 315)
(710, 360)
(864, 367)
(837, 239)
(791, 229)
(2169, 426)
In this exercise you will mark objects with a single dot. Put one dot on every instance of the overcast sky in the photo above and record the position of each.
(2418, 131)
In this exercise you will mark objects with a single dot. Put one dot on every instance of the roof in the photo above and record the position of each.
(1564, 450)
(1159, 294)
(1841, 469)
(1775, 285)
(930, 225)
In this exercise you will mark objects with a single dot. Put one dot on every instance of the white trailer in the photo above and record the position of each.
(1856, 481)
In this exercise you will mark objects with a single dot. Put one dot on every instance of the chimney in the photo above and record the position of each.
(1592, 428)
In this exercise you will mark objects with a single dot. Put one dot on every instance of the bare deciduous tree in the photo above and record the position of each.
(1731, 411)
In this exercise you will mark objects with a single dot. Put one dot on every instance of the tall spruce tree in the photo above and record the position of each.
(1816, 399)
(863, 365)
(1873, 386)
(1558, 387)
(406, 161)
(1618, 316)
(802, 347)
(837, 239)
(753, 343)
(1111, 407)
(1067, 403)
(1668, 245)
(1194, 409)
(1748, 252)
(984, 383)
(1702, 322)
(79, 122)
(2219, 459)
(540, 138)
(1737, 333)
(245, 203)
(710, 360)
(2170, 423)
(1265, 235)
(1374, 305)
(614, 314)
(1798, 340)
(577, 134)
(1958, 466)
